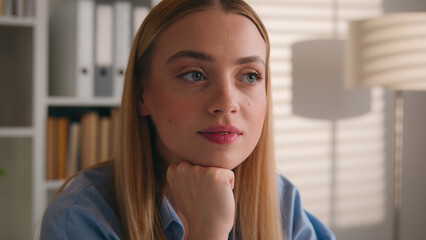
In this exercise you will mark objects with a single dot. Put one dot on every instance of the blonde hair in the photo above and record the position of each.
(140, 174)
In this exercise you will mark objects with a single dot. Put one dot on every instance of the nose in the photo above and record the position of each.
(224, 99)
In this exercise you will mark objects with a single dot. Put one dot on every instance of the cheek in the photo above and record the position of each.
(259, 116)
(171, 111)
(257, 110)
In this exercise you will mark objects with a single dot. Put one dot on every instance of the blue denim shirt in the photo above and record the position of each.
(87, 209)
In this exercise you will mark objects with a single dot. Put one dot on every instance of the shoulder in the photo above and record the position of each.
(296, 222)
(86, 207)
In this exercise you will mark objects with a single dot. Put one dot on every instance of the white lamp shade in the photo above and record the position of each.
(388, 51)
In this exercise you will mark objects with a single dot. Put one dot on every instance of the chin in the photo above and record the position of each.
(219, 163)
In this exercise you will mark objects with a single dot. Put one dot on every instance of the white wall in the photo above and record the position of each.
(414, 159)
(342, 164)
(414, 167)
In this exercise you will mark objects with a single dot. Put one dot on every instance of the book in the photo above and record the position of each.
(93, 138)
(51, 148)
(73, 149)
(76, 144)
(89, 133)
(113, 132)
(103, 140)
(62, 145)
(84, 156)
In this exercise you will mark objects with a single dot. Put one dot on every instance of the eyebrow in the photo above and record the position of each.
(190, 54)
(209, 58)
(251, 59)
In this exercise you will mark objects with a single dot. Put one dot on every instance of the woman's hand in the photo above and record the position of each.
(205, 198)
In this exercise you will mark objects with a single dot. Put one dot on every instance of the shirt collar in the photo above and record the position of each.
(169, 219)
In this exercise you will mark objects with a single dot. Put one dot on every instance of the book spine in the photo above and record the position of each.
(73, 149)
(104, 135)
(113, 132)
(51, 148)
(89, 139)
(62, 141)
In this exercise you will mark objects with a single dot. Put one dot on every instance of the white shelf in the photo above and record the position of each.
(16, 132)
(53, 184)
(17, 21)
(24, 43)
(77, 102)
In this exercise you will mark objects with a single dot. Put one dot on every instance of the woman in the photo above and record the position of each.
(194, 153)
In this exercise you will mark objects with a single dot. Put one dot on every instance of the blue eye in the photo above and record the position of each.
(193, 76)
(250, 78)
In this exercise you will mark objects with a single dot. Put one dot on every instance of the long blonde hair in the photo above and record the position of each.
(140, 174)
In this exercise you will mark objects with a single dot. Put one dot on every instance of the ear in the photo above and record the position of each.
(143, 107)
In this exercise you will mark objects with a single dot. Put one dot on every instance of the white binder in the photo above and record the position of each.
(139, 14)
(29, 8)
(19, 5)
(104, 49)
(62, 48)
(122, 44)
(155, 2)
(85, 51)
(71, 52)
(8, 8)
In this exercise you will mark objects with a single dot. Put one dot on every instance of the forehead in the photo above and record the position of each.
(214, 32)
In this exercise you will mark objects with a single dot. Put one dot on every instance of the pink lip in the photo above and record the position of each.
(221, 134)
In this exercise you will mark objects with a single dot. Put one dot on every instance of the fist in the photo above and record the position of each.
(204, 196)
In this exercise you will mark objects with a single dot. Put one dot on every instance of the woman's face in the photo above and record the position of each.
(206, 90)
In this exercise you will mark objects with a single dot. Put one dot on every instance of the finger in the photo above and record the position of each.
(230, 177)
(175, 167)
(170, 170)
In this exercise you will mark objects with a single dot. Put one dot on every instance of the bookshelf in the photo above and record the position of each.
(10, 132)
(26, 102)
(15, 187)
(17, 22)
(20, 68)
(73, 102)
